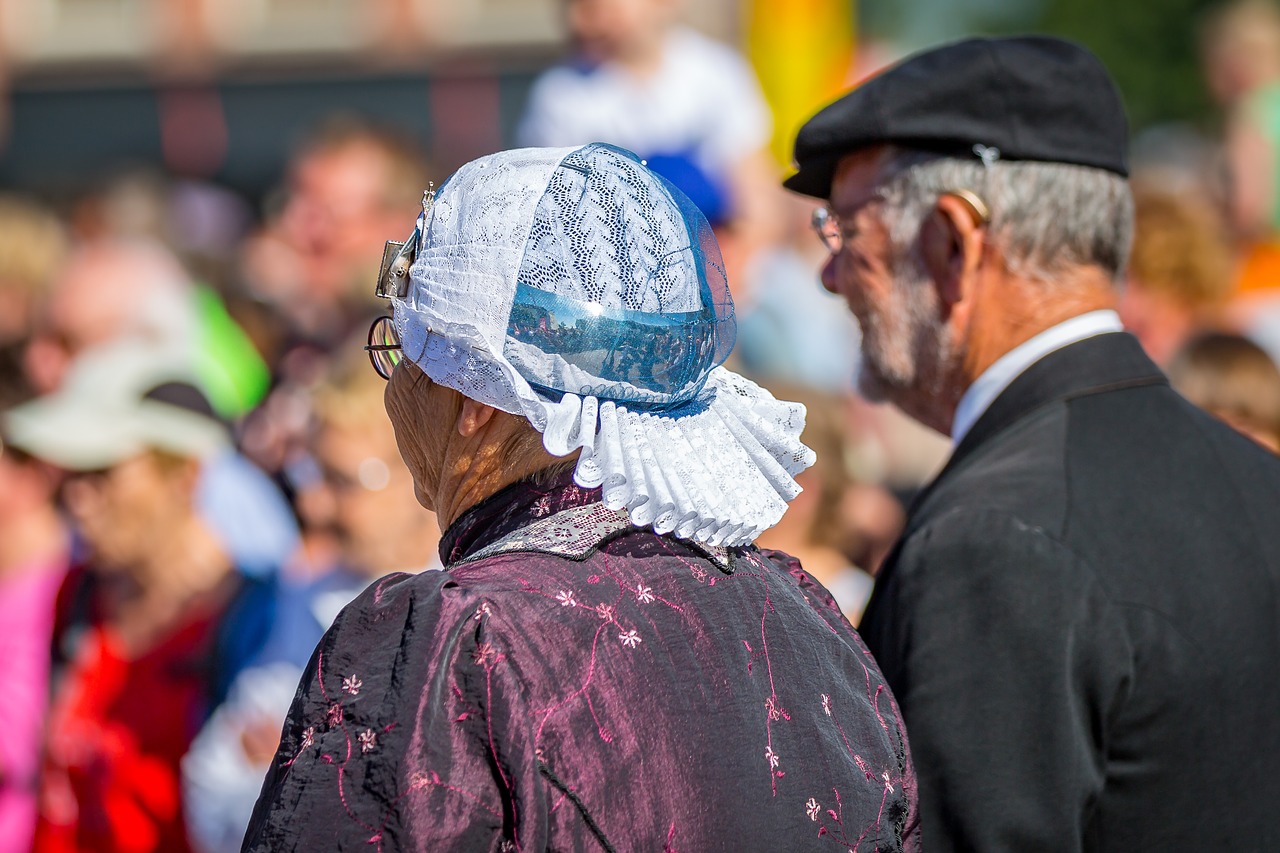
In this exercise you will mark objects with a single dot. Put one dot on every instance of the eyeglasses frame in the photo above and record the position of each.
(374, 349)
(826, 224)
(393, 281)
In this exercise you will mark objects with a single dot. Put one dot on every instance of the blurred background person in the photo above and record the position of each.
(126, 289)
(1240, 44)
(303, 275)
(347, 186)
(118, 287)
(34, 549)
(688, 105)
(1180, 273)
(872, 519)
(33, 244)
(1234, 379)
(814, 528)
(155, 621)
(790, 328)
(34, 544)
(361, 504)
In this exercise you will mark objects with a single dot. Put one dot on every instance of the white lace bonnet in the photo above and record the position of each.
(575, 287)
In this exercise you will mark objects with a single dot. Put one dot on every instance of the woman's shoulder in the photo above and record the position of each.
(432, 602)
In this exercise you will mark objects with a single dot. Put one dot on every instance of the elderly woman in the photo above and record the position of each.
(606, 663)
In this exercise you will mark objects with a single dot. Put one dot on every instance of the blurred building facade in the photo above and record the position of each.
(219, 89)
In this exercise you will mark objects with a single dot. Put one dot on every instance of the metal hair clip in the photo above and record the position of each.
(428, 199)
(398, 257)
(988, 154)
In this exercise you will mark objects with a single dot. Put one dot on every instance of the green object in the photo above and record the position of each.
(232, 372)
(1262, 107)
(1150, 46)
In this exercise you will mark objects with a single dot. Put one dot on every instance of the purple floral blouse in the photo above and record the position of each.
(572, 683)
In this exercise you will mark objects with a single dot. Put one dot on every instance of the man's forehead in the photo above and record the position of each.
(858, 177)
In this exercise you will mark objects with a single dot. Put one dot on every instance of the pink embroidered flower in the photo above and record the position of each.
(308, 737)
(812, 809)
(483, 611)
(630, 639)
(644, 594)
(888, 786)
(335, 715)
(772, 756)
(352, 684)
(507, 846)
(484, 654)
(542, 507)
(368, 740)
(775, 711)
(826, 704)
(566, 599)
(604, 611)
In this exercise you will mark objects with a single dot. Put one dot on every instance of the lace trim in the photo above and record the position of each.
(590, 227)
(575, 534)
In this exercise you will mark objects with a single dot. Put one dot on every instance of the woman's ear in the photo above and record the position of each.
(472, 417)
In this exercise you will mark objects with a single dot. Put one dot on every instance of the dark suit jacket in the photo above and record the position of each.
(1082, 623)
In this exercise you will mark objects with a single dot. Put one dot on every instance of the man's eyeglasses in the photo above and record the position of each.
(827, 226)
(832, 229)
(832, 234)
(384, 346)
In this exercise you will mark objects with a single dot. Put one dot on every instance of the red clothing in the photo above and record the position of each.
(117, 732)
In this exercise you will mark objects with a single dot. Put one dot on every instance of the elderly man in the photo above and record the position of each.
(1080, 618)
(606, 662)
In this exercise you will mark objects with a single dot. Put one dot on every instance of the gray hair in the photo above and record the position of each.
(1045, 217)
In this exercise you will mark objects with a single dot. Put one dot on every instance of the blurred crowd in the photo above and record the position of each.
(197, 472)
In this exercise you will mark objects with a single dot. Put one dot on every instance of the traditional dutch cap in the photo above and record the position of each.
(579, 289)
(1025, 98)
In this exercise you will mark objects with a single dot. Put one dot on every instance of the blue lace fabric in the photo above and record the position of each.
(657, 347)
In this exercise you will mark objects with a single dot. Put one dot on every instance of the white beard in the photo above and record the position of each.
(907, 349)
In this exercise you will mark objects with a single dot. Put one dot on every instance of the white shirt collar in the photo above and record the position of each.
(1012, 364)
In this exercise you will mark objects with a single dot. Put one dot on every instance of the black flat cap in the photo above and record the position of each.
(1025, 98)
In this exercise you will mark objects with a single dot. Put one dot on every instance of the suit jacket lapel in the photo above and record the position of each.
(1094, 365)
(1101, 363)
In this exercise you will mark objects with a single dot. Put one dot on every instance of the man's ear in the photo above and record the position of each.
(472, 417)
(951, 244)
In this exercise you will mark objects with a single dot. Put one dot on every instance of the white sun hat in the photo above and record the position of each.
(575, 287)
(117, 401)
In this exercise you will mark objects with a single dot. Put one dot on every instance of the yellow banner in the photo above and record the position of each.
(802, 51)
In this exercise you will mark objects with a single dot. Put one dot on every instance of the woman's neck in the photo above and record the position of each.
(485, 465)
